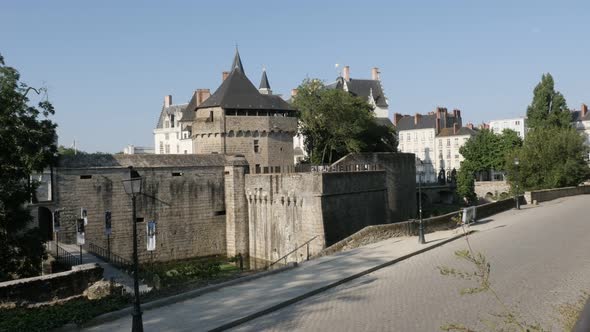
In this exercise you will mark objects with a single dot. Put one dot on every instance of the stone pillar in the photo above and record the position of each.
(237, 231)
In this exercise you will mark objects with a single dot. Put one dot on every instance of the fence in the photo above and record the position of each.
(108, 256)
(61, 255)
(325, 168)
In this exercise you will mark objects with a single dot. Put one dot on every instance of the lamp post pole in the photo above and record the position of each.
(516, 163)
(137, 321)
(420, 169)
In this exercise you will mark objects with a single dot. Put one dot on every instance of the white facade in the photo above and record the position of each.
(170, 137)
(447, 150)
(132, 149)
(516, 124)
(421, 142)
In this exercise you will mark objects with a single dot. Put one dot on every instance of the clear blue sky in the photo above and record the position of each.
(108, 64)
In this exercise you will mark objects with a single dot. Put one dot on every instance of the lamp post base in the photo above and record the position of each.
(421, 239)
(137, 325)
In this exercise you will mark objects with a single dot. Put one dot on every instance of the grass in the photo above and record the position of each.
(569, 312)
(53, 316)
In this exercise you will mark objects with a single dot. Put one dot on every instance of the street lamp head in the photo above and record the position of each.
(516, 161)
(132, 182)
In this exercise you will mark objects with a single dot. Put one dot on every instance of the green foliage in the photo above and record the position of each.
(194, 270)
(551, 157)
(548, 108)
(486, 151)
(50, 317)
(336, 123)
(466, 185)
(27, 145)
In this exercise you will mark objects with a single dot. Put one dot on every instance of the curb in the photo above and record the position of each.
(110, 316)
(281, 305)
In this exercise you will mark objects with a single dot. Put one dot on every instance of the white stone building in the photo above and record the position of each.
(435, 139)
(581, 121)
(516, 124)
(170, 135)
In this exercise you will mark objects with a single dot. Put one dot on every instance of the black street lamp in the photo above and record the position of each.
(132, 185)
(516, 164)
(420, 169)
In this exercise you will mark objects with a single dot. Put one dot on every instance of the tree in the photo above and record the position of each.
(548, 108)
(27, 144)
(550, 158)
(466, 184)
(487, 151)
(335, 123)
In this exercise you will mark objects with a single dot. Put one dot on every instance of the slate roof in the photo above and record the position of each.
(407, 122)
(264, 81)
(148, 160)
(463, 131)
(237, 63)
(577, 116)
(362, 88)
(237, 92)
(384, 122)
(172, 109)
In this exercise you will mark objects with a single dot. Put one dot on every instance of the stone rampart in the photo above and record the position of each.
(286, 210)
(551, 194)
(376, 233)
(52, 286)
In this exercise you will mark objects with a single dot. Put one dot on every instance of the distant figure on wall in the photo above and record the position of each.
(453, 177)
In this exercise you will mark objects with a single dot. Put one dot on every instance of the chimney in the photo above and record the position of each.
(417, 118)
(346, 73)
(202, 95)
(396, 118)
(456, 113)
(167, 100)
(584, 110)
(224, 75)
(455, 128)
(375, 74)
(470, 125)
(437, 124)
(293, 92)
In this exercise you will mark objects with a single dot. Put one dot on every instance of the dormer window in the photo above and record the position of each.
(172, 120)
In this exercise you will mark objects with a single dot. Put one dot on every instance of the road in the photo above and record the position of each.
(540, 259)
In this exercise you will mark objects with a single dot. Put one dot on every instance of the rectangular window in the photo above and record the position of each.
(448, 142)
(440, 143)
(448, 154)
(256, 146)
(166, 136)
(85, 177)
(161, 147)
(423, 137)
(176, 173)
(257, 169)
(177, 148)
(210, 116)
(166, 124)
(456, 157)
(408, 137)
(167, 150)
(456, 141)
(172, 120)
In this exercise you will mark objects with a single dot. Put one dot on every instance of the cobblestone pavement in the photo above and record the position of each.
(540, 258)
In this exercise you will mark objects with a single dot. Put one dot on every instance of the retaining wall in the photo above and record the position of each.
(551, 194)
(375, 233)
(52, 286)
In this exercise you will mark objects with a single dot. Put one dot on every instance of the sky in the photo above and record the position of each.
(107, 65)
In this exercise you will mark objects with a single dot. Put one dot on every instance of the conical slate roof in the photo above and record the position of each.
(237, 92)
(237, 63)
(264, 81)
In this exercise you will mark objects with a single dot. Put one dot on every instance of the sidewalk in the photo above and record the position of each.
(110, 271)
(235, 304)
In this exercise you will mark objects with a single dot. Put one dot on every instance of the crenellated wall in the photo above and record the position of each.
(287, 210)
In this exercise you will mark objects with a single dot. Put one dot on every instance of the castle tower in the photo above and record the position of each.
(238, 119)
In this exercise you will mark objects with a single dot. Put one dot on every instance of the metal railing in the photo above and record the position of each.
(108, 256)
(65, 257)
(306, 243)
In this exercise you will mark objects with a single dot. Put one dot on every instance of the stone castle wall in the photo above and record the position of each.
(286, 210)
(215, 132)
(401, 185)
(187, 201)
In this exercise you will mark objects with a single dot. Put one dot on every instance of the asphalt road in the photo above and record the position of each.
(540, 259)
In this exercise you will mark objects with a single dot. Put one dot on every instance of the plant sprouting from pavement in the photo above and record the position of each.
(508, 319)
